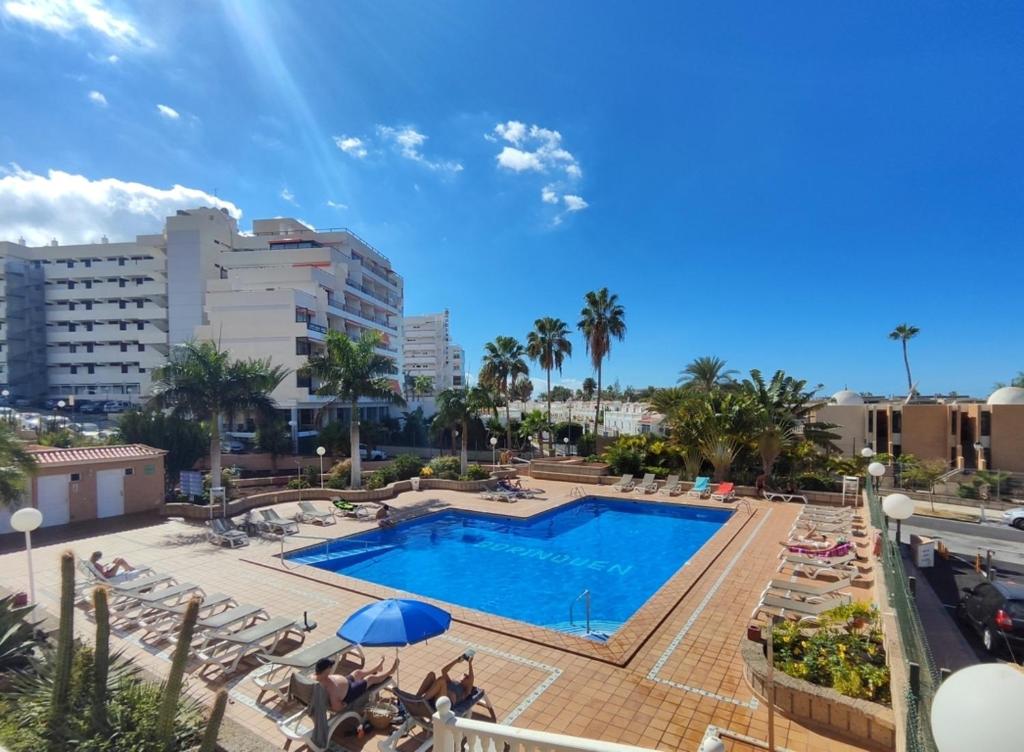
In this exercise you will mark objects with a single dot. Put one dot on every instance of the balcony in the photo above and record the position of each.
(374, 296)
(150, 335)
(106, 290)
(107, 312)
(142, 268)
(344, 310)
(381, 276)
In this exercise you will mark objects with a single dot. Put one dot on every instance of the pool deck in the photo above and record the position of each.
(674, 669)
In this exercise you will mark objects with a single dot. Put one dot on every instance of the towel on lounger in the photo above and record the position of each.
(318, 712)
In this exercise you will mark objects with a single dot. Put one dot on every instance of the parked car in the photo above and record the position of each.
(30, 421)
(229, 446)
(90, 430)
(1014, 517)
(995, 610)
(371, 454)
(89, 407)
(52, 404)
(115, 406)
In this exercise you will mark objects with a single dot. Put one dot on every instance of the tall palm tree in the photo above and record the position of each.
(16, 465)
(601, 319)
(349, 371)
(904, 333)
(503, 363)
(705, 374)
(549, 345)
(587, 388)
(455, 407)
(202, 382)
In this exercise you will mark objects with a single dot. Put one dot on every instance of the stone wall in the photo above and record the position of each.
(860, 722)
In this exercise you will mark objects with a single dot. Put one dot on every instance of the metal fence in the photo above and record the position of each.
(924, 677)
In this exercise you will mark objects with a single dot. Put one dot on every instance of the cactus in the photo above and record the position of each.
(169, 703)
(213, 726)
(101, 659)
(56, 723)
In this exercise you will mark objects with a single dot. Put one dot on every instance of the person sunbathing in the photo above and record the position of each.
(434, 687)
(345, 690)
(117, 566)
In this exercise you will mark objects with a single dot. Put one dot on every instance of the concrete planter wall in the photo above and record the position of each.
(860, 722)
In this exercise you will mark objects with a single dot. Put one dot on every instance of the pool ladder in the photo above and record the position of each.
(577, 491)
(586, 596)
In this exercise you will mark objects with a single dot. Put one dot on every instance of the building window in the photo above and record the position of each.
(952, 455)
(871, 421)
(74, 370)
(71, 306)
(88, 284)
(149, 469)
(142, 348)
(124, 369)
(138, 281)
(88, 327)
(88, 305)
(123, 326)
(75, 477)
(897, 422)
(952, 423)
(71, 285)
(139, 303)
(303, 381)
(71, 327)
(73, 349)
(92, 370)
(88, 263)
(88, 348)
(71, 264)
(142, 370)
(124, 347)
(129, 471)
(122, 282)
(140, 326)
(122, 304)
(986, 423)
(120, 261)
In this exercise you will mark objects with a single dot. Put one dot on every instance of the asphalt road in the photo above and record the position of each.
(970, 538)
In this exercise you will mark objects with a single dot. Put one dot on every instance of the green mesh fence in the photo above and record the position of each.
(924, 675)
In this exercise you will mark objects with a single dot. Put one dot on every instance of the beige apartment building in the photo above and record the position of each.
(963, 432)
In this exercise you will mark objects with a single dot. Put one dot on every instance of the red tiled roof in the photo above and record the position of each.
(59, 456)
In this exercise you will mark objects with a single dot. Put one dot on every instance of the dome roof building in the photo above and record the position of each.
(846, 397)
(1007, 395)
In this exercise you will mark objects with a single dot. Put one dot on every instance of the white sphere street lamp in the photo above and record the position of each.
(566, 442)
(899, 507)
(876, 470)
(977, 708)
(25, 521)
(867, 452)
(494, 451)
(321, 451)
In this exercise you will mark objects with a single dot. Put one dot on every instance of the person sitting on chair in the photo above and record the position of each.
(117, 566)
(342, 691)
(384, 518)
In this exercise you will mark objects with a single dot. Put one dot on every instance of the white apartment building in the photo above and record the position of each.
(617, 418)
(280, 290)
(428, 351)
(94, 320)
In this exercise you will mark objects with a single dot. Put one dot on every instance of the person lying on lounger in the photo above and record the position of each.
(344, 690)
(434, 687)
(117, 566)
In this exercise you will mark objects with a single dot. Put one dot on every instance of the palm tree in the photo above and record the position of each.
(503, 363)
(587, 388)
(601, 319)
(16, 465)
(202, 382)
(706, 374)
(349, 371)
(456, 407)
(549, 345)
(720, 450)
(904, 333)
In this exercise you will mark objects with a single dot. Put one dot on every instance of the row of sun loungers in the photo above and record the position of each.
(700, 489)
(816, 577)
(225, 532)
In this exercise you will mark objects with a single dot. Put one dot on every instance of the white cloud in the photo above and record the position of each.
(534, 148)
(64, 17)
(408, 142)
(548, 195)
(168, 112)
(352, 146)
(336, 205)
(96, 97)
(288, 196)
(75, 209)
(574, 203)
(112, 59)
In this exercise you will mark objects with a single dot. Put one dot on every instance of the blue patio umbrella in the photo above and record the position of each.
(395, 622)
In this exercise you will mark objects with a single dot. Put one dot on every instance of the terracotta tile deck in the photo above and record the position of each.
(670, 672)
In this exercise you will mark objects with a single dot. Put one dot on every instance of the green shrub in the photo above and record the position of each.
(845, 653)
(592, 458)
(17, 635)
(587, 445)
(475, 472)
(659, 472)
(624, 457)
(406, 466)
(967, 491)
(296, 483)
(446, 468)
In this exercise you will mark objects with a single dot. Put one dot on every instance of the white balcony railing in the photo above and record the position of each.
(452, 734)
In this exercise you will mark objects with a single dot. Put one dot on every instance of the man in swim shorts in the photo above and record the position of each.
(342, 691)
(434, 687)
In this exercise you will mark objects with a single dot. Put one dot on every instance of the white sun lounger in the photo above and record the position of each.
(647, 485)
(808, 609)
(784, 497)
(230, 621)
(163, 619)
(672, 486)
(224, 531)
(801, 587)
(226, 651)
(135, 607)
(275, 677)
(274, 523)
(626, 483)
(309, 513)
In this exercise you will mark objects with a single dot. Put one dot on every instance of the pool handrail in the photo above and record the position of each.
(585, 594)
(327, 548)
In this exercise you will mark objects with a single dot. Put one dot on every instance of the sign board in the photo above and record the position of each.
(851, 489)
(191, 483)
(923, 550)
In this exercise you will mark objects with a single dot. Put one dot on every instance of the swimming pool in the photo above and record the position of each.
(531, 569)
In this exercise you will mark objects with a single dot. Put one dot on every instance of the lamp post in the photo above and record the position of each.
(993, 691)
(867, 452)
(566, 442)
(876, 470)
(494, 451)
(980, 449)
(61, 404)
(321, 451)
(298, 476)
(899, 507)
(25, 521)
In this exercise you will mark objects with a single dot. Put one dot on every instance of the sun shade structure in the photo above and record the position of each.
(395, 622)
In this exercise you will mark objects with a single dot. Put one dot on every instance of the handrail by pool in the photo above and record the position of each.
(747, 504)
(586, 594)
(365, 545)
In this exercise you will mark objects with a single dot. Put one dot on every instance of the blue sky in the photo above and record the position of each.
(778, 185)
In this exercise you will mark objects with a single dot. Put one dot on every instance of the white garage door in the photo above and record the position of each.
(52, 499)
(109, 493)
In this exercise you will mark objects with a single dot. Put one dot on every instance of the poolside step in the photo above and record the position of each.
(339, 556)
(600, 631)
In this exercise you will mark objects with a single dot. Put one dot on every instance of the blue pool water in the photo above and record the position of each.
(531, 569)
